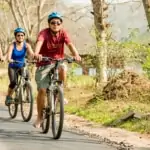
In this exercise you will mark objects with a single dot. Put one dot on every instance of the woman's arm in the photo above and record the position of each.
(9, 53)
(29, 50)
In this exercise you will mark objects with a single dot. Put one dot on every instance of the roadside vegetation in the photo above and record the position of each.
(126, 91)
(83, 102)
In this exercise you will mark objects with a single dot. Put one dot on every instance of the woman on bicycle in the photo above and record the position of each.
(16, 51)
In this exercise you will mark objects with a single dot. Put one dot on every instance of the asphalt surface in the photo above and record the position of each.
(18, 135)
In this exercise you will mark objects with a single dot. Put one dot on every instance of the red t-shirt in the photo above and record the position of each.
(53, 45)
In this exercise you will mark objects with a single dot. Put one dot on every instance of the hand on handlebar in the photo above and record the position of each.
(10, 60)
(2, 58)
(77, 57)
(38, 57)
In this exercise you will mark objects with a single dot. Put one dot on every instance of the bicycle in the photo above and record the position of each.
(54, 97)
(22, 87)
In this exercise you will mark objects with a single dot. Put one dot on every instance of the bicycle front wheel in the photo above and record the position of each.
(57, 112)
(26, 97)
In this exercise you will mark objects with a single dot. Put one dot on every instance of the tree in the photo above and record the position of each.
(99, 6)
(5, 28)
(146, 4)
(30, 14)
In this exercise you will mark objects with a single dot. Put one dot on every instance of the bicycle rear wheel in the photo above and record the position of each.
(46, 114)
(13, 107)
(58, 113)
(26, 97)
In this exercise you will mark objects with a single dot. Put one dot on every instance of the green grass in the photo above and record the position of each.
(80, 81)
(105, 112)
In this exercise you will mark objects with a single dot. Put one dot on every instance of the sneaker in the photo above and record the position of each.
(8, 100)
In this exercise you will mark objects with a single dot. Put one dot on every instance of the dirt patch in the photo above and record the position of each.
(80, 96)
(127, 85)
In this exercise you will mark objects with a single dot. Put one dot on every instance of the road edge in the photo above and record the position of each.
(120, 138)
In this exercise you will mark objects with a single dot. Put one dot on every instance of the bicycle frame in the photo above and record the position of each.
(54, 93)
(20, 79)
(22, 86)
(54, 79)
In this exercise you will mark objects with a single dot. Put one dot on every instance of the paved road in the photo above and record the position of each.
(18, 135)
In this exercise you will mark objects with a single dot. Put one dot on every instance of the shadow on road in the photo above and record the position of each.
(33, 136)
(2, 119)
(3, 108)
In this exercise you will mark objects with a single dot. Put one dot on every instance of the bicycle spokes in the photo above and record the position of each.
(58, 113)
(26, 101)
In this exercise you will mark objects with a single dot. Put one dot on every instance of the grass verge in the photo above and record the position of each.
(83, 103)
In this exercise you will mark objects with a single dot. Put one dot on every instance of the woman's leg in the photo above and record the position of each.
(13, 79)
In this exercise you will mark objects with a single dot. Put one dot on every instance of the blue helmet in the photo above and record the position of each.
(19, 30)
(54, 15)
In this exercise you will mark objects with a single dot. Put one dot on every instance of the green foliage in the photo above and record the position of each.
(71, 73)
(133, 33)
(146, 63)
(121, 52)
(74, 80)
(128, 50)
(82, 81)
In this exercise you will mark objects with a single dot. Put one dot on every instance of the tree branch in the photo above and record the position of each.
(42, 2)
(45, 14)
(8, 1)
(2, 32)
(26, 13)
(11, 5)
(78, 9)
(22, 18)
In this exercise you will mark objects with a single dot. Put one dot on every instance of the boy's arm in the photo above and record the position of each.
(74, 51)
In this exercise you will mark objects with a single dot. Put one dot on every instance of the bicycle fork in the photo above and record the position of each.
(50, 108)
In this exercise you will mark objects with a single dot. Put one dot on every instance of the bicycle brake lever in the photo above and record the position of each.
(70, 60)
(45, 59)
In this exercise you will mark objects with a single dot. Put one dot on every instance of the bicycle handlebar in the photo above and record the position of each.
(27, 61)
(17, 62)
(47, 59)
(69, 60)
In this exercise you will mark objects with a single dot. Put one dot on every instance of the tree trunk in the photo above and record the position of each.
(101, 53)
(146, 4)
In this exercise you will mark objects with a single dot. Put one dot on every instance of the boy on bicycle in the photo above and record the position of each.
(50, 43)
